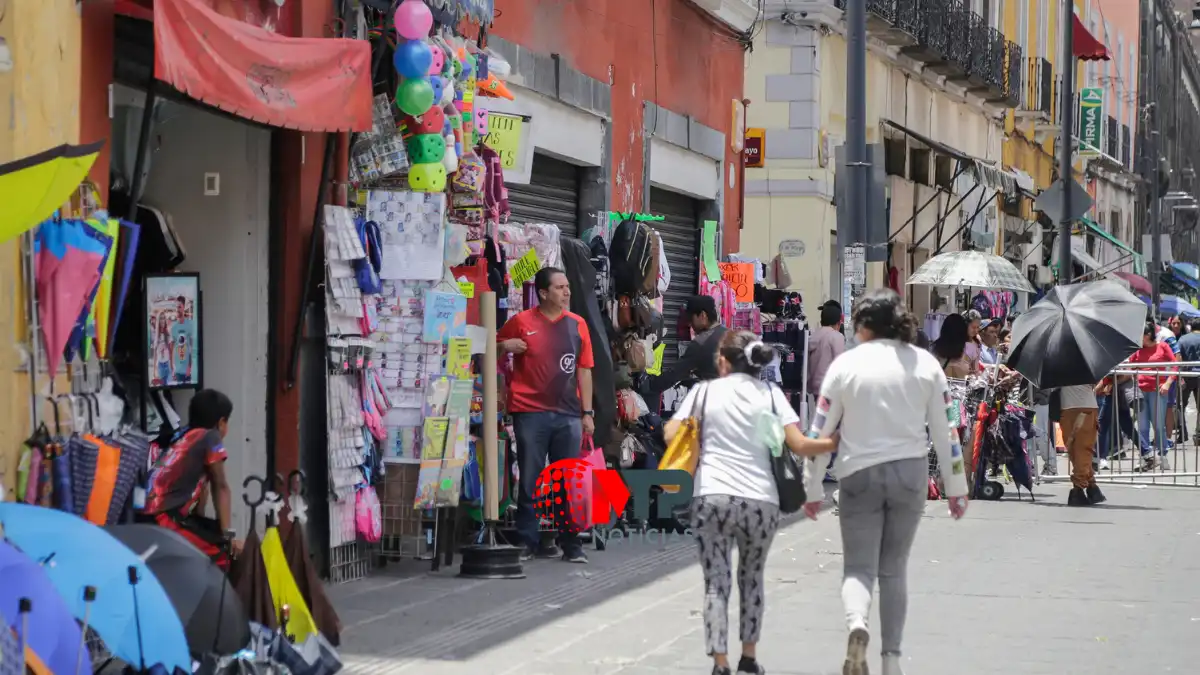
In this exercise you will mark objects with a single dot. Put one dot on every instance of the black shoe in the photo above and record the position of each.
(548, 552)
(575, 557)
(1078, 498)
(1095, 496)
(721, 670)
(748, 665)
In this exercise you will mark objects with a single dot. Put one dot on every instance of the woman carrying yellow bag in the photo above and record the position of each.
(728, 441)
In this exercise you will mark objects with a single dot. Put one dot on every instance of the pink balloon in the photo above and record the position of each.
(413, 20)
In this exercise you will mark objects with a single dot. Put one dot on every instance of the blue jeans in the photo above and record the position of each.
(1110, 405)
(1153, 413)
(541, 435)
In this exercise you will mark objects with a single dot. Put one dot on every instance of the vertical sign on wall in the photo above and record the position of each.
(1091, 121)
(755, 150)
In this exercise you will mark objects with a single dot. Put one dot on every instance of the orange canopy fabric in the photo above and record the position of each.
(308, 84)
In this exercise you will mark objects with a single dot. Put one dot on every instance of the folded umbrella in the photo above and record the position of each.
(68, 265)
(211, 612)
(34, 187)
(1076, 334)
(295, 548)
(250, 582)
(49, 628)
(136, 621)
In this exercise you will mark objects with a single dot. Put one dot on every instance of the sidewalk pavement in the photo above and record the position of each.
(1013, 589)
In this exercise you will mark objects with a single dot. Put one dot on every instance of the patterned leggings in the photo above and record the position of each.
(718, 522)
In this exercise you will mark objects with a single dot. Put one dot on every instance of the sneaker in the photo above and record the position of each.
(856, 653)
(746, 665)
(1102, 465)
(1077, 498)
(891, 665)
(721, 670)
(1095, 496)
(1163, 464)
(527, 554)
(548, 552)
(576, 557)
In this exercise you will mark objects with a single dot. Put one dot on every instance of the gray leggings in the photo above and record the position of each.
(880, 509)
(719, 521)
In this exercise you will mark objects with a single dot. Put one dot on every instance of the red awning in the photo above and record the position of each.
(308, 84)
(1086, 46)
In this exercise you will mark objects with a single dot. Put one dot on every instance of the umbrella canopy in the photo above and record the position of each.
(971, 269)
(211, 612)
(68, 258)
(250, 581)
(51, 630)
(33, 188)
(1190, 270)
(295, 548)
(1137, 284)
(136, 622)
(1172, 305)
(1076, 334)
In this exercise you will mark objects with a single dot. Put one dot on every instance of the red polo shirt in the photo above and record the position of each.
(544, 377)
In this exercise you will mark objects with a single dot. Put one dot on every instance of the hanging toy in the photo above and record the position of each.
(450, 159)
(413, 60)
(481, 66)
(438, 63)
(432, 122)
(426, 148)
(439, 88)
(413, 20)
(414, 96)
(427, 177)
(481, 118)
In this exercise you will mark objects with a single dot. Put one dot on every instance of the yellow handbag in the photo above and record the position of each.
(683, 453)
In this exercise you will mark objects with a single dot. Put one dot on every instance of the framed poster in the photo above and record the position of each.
(172, 331)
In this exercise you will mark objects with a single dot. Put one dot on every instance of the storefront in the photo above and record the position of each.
(680, 232)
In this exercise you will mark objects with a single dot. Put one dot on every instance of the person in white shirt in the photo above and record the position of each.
(887, 397)
(734, 498)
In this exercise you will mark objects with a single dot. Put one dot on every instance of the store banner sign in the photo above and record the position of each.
(755, 148)
(1091, 120)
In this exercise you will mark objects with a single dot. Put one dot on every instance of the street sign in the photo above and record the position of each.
(755, 148)
(1091, 121)
(1051, 200)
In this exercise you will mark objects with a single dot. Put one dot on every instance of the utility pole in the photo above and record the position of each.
(1151, 157)
(858, 168)
(1065, 172)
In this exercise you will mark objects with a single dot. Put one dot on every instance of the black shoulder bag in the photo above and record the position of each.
(788, 472)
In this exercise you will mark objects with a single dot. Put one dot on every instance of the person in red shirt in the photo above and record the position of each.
(550, 397)
(1155, 386)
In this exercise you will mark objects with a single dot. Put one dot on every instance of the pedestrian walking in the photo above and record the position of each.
(550, 398)
(888, 398)
(735, 500)
(1155, 387)
(1079, 420)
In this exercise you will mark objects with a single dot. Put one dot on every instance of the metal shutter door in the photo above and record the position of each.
(551, 196)
(680, 232)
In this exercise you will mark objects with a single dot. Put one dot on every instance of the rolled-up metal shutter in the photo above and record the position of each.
(551, 196)
(680, 232)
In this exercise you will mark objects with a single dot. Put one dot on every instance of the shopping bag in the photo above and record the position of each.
(683, 452)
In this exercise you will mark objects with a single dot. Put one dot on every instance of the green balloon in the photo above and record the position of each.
(415, 96)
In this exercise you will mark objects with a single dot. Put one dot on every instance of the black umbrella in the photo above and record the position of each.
(210, 610)
(1077, 334)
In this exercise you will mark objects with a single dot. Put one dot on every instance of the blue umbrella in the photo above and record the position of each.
(1174, 306)
(1190, 270)
(138, 623)
(52, 633)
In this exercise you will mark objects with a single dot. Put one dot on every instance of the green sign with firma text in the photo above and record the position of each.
(1091, 120)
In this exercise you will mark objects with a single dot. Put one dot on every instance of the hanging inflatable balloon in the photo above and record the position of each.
(412, 59)
(414, 96)
(413, 20)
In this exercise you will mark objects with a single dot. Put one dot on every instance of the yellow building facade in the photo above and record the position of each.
(39, 101)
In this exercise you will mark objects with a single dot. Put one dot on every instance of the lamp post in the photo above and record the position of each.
(1066, 171)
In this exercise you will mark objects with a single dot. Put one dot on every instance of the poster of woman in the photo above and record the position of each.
(173, 331)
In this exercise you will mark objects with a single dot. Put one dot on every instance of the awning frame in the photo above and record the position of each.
(1138, 264)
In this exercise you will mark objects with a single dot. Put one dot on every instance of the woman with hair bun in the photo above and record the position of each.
(735, 500)
(888, 397)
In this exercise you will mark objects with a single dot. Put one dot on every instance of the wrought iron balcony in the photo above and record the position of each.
(1037, 100)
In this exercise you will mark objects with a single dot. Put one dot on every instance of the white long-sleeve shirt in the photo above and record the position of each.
(883, 394)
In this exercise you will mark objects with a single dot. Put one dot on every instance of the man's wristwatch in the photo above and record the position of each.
(589, 413)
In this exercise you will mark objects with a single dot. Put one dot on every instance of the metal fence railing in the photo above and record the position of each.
(1148, 427)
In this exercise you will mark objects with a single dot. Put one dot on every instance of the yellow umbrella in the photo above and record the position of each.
(34, 187)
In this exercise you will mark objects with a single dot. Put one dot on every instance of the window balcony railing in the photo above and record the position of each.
(1038, 97)
(1126, 147)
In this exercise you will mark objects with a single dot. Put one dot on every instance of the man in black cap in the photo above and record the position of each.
(700, 359)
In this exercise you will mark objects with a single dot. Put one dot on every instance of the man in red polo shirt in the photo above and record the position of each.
(550, 397)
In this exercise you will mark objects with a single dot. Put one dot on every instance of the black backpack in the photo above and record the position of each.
(631, 255)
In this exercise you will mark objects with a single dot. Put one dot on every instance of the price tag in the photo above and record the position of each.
(467, 288)
(525, 268)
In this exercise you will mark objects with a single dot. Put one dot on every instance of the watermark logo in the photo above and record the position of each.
(574, 496)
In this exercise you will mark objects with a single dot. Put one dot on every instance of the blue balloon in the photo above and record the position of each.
(438, 87)
(412, 58)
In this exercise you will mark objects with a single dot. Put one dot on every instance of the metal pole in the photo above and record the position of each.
(1066, 173)
(1152, 159)
(857, 165)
